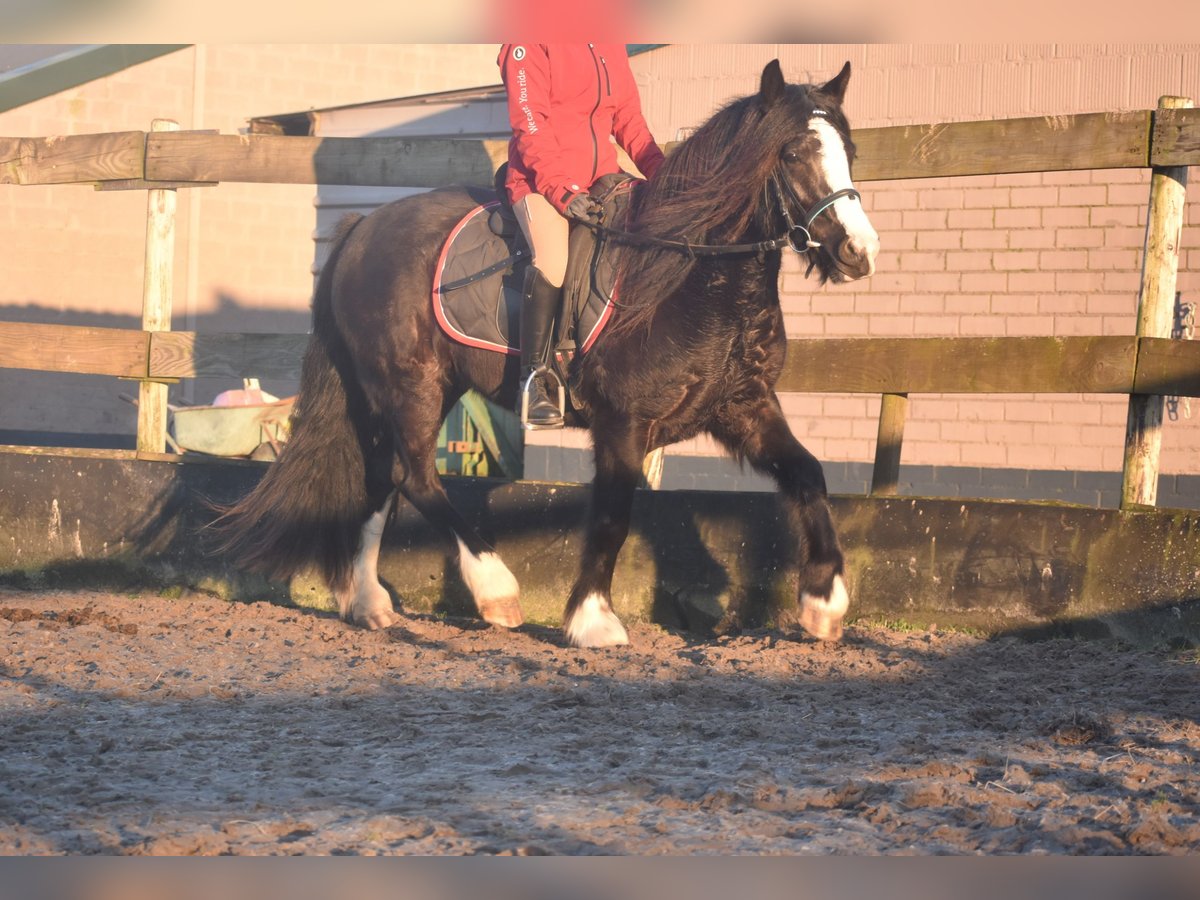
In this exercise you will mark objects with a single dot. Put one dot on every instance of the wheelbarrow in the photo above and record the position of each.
(255, 430)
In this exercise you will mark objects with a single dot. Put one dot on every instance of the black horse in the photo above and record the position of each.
(696, 345)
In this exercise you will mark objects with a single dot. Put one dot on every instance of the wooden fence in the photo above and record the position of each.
(1147, 366)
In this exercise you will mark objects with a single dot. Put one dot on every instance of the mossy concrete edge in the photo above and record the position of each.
(695, 560)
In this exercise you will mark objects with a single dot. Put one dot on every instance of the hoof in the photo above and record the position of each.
(494, 588)
(372, 609)
(822, 616)
(503, 611)
(594, 624)
(378, 619)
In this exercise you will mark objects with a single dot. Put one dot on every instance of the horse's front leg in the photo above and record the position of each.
(758, 432)
(620, 447)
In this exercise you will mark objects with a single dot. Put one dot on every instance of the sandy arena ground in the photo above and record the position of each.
(144, 725)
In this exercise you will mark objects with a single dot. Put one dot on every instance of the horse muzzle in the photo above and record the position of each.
(855, 257)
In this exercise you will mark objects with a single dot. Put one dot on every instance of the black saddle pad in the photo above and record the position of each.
(479, 275)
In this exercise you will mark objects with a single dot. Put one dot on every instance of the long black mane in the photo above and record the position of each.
(711, 190)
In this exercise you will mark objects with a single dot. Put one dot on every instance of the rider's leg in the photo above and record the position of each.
(546, 233)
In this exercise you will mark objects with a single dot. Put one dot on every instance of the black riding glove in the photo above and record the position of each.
(584, 208)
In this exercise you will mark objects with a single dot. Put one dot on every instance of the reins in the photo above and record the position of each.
(797, 236)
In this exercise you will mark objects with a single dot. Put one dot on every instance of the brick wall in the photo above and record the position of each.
(1036, 254)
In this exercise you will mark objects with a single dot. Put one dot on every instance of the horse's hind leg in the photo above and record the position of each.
(365, 601)
(492, 585)
(759, 433)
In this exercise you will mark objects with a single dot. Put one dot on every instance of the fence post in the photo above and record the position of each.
(885, 474)
(1156, 309)
(157, 285)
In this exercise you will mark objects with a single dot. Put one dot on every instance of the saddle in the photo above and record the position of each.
(481, 270)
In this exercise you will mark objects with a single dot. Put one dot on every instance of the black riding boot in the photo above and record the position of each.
(539, 304)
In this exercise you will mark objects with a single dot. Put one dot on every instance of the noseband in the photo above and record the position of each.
(798, 235)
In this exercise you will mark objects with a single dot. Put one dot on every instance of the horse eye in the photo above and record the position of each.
(790, 156)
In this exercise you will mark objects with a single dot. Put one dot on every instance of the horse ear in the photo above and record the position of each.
(773, 84)
(836, 88)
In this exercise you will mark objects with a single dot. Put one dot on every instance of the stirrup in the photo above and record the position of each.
(527, 387)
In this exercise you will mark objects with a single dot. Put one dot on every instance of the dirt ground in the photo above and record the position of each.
(145, 725)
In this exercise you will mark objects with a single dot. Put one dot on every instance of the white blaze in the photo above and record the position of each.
(847, 210)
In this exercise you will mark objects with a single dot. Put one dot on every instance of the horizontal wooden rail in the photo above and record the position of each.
(72, 348)
(429, 162)
(185, 354)
(1168, 368)
(1050, 365)
(1175, 140)
(1021, 365)
(73, 159)
(1002, 146)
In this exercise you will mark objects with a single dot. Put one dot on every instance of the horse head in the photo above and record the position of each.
(810, 181)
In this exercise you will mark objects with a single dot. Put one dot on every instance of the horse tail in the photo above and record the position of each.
(309, 507)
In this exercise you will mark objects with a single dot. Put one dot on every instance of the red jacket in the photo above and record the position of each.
(564, 102)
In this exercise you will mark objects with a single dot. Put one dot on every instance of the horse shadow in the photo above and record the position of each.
(734, 571)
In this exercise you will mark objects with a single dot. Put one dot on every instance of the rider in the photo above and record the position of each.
(565, 101)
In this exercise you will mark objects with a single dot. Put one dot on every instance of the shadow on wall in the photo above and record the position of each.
(60, 409)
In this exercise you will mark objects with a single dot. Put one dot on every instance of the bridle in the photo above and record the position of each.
(797, 235)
